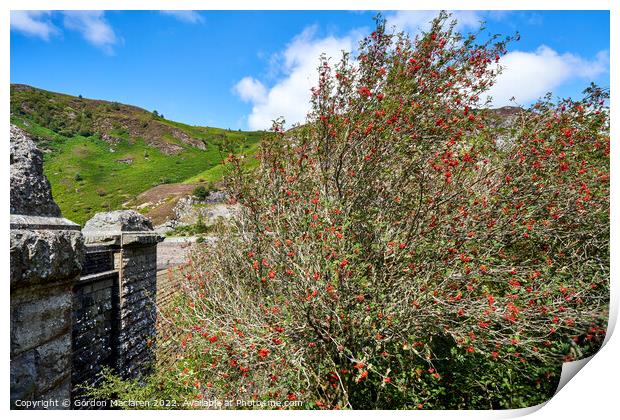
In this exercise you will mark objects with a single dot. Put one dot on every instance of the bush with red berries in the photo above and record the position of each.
(408, 247)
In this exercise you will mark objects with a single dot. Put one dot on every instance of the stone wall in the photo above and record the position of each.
(80, 300)
(45, 263)
(115, 306)
(168, 284)
(114, 300)
(138, 311)
(46, 255)
(95, 318)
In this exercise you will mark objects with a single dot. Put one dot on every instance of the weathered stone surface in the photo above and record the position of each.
(99, 259)
(23, 375)
(40, 343)
(213, 209)
(58, 395)
(20, 221)
(45, 256)
(118, 221)
(37, 319)
(54, 359)
(95, 310)
(46, 260)
(114, 311)
(30, 190)
(141, 239)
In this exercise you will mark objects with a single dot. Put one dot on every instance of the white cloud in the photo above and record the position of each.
(529, 75)
(33, 23)
(188, 16)
(414, 21)
(93, 27)
(290, 97)
(250, 90)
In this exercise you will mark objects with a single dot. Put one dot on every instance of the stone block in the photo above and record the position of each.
(36, 321)
(45, 256)
(35, 373)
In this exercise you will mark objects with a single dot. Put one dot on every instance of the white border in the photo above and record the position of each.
(593, 394)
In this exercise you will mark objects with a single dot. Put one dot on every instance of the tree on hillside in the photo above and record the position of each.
(200, 192)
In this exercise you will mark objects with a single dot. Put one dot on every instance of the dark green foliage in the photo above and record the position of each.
(200, 192)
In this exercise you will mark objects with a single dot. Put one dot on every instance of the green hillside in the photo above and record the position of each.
(100, 155)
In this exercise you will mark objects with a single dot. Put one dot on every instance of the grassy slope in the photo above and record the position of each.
(105, 183)
(216, 172)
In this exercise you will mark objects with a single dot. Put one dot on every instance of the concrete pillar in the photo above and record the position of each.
(46, 257)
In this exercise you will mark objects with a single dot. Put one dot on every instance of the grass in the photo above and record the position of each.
(88, 177)
(217, 172)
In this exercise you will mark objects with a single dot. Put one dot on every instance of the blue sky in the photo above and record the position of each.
(241, 69)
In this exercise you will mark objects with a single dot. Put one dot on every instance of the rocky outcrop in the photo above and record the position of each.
(118, 221)
(30, 190)
(180, 135)
(189, 209)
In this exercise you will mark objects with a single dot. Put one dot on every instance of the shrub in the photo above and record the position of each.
(85, 131)
(200, 192)
(200, 226)
(406, 248)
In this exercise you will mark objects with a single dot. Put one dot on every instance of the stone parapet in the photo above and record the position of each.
(80, 300)
(134, 258)
(44, 250)
(46, 258)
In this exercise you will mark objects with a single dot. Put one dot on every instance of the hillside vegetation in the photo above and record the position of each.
(101, 155)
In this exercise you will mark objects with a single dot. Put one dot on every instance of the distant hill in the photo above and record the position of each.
(101, 155)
